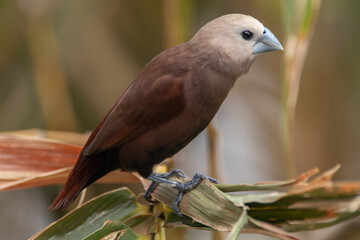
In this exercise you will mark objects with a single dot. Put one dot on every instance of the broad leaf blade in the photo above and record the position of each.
(28, 161)
(118, 229)
(239, 225)
(118, 205)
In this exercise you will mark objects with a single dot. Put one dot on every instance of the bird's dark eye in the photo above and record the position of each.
(247, 35)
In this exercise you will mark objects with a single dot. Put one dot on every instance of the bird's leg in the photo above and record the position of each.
(157, 178)
(181, 187)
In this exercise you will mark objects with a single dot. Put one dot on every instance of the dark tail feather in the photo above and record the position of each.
(87, 170)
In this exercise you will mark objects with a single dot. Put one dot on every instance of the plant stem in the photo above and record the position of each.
(300, 30)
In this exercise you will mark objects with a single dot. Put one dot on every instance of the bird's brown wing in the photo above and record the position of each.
(153, 98)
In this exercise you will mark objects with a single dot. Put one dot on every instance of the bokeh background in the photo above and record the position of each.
(64, 63)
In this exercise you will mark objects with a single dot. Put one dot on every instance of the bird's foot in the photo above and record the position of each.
(181, 187)
(188, 186)
(157, 178)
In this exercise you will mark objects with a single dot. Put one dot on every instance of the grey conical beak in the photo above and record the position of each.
(267, 42)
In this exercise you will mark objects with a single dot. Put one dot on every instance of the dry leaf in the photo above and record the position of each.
(30, 159)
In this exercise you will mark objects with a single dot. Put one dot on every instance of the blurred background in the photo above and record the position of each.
(64, 63)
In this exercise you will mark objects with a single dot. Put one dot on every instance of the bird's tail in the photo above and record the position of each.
(87, 170)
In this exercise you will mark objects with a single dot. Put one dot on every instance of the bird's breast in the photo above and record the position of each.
(206, 89)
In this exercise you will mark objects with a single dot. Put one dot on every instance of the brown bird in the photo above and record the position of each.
(169, 103)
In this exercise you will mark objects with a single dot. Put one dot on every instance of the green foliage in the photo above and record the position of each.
(273, 209)
(102, 215)
(117, 230)
(239, 225)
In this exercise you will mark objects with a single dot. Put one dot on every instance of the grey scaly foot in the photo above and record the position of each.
(157, 178)
(188, 186)
(181, 187)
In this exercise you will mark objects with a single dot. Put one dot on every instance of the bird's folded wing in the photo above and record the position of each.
(152, 99)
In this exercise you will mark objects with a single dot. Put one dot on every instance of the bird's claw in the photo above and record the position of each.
(173, 173)
(188, 186)
(148, 192)
(176, 203)
(213, 180)
(157, 178)
(181, 187)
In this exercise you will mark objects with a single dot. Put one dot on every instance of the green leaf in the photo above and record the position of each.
(281, 215)
(251, 187)
(118, 205)
(270, 229)
(258, 198)
(117, 229)
(308, 225)
(134, 221)
(239, 225)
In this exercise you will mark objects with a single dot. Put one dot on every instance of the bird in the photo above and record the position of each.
(171, 100)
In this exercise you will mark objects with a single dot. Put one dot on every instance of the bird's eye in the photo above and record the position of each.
(247, 35)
